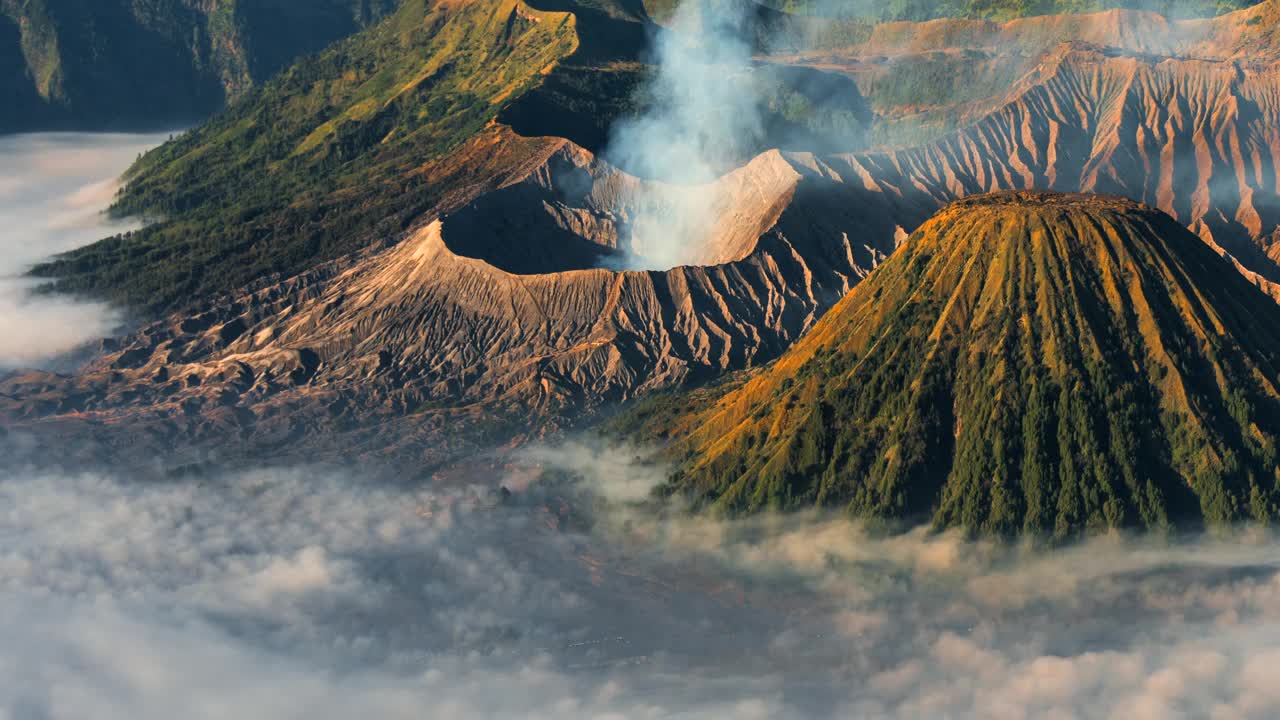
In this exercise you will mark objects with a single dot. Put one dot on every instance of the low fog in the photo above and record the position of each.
(53, 189)
(321, 593)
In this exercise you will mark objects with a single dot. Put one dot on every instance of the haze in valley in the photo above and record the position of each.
(54, 189)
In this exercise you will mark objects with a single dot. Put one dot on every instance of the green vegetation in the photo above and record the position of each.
(1034, 363)
(146, 63)
(388, 128)
(342, 148)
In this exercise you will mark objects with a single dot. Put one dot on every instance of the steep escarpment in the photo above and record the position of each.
(926, 78)
(1025, 362)
(150, 63)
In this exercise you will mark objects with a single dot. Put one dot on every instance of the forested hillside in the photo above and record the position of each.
(1026, 362)
(128, 64)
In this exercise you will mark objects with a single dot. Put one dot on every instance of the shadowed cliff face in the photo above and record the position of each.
(1025, 362)
(77, 64)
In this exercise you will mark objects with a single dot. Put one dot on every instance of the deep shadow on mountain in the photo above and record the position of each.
(152, 64)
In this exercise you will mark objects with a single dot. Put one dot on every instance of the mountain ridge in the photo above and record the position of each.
(1026, 362)
(335, 336)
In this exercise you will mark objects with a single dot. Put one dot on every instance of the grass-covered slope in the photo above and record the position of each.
(1025, 362)
(394, 126)
(351, 144)
(91, 64)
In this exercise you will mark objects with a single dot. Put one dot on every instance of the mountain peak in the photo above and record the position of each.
(1027, 361)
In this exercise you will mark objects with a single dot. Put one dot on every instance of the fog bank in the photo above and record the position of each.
(53, 189)
(305, 593)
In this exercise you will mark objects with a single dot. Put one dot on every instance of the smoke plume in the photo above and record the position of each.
(699, 115)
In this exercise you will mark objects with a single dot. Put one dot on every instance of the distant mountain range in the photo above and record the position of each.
(148, 64)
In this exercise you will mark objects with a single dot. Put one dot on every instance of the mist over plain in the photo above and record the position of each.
(54, 188)
(307, 592)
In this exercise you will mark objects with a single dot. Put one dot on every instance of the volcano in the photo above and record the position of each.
(1027, 361)
(421, 258)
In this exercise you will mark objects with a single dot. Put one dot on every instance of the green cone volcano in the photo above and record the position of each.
(1025, 362)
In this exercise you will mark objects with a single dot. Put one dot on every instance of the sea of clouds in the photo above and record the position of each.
(317, 593)
(54, 188)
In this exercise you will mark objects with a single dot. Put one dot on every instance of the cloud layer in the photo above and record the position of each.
(292, 593)
(53, 189)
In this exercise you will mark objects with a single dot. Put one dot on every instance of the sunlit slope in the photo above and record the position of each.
(398, 126)
(1026, 361)
(352, 144)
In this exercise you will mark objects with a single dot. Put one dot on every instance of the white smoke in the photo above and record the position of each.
(53, 190)
(699, 114)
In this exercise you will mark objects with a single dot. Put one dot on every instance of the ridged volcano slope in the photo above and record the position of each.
(1197, 139)
(1025, 362)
